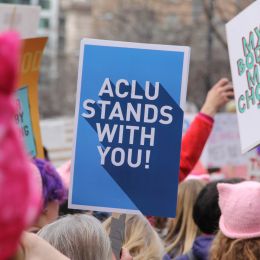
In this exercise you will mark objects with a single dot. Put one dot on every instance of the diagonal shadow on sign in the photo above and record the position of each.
(149, 189)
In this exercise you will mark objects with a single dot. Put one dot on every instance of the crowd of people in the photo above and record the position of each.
(215, 220)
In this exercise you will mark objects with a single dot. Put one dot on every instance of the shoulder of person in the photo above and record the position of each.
(38, 249)
(188, 256)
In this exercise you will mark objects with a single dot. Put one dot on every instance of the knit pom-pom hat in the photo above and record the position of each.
(64, 172)
(240, 209)
(19, 196)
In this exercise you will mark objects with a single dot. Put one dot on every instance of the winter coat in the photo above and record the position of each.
(200, 249)
(193, 143)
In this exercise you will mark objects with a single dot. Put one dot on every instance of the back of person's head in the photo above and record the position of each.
(52, 186)
(79, 237)
(182, 229)
(140, 238)
(65, 210)
(239, 235)
(225, 248)
(206, 211)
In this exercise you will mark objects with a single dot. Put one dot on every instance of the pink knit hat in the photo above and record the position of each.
(240, 209)
(20, 196)
(64, 172)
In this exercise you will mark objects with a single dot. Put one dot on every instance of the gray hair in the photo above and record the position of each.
(79, 237)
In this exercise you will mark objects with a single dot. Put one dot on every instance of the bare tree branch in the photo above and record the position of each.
(218, 35)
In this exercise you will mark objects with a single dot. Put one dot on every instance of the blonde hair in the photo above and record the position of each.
(182, 230)
(224, 248)
(79, 237)
(141, 239)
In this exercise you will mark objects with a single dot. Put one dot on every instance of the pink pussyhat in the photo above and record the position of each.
(64, 172)
(20, 196)
(240, 209)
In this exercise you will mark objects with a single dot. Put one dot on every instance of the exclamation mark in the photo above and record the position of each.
(147, 159)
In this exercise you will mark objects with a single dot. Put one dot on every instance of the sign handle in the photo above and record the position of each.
(13, 16)
(117, 233)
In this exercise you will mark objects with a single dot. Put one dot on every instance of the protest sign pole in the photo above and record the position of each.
(117, 233)
(12, 18)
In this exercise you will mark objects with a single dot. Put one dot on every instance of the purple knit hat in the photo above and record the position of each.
(53, 188)
(240, 209)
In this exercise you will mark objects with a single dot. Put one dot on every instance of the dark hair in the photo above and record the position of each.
(234, 249)
(206, 211)
(46, 154)
(52, 186)
(65, 210)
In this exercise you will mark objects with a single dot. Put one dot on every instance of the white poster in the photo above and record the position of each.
(243, 34)
(223, 146)
(22, 18)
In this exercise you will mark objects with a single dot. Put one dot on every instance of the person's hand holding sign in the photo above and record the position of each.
(201, 127)
(125, 255)
(218, 96)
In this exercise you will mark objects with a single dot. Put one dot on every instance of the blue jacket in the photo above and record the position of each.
(200, 249)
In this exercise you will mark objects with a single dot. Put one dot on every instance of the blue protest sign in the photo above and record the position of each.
(23, 118)
(128, 127)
